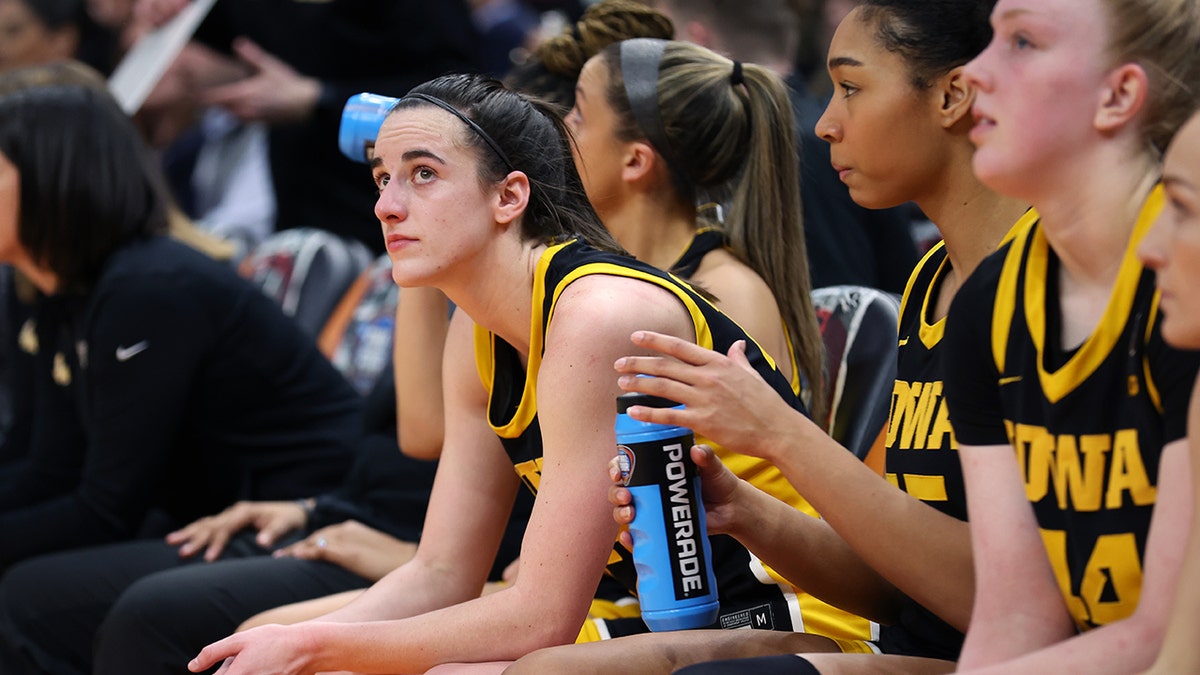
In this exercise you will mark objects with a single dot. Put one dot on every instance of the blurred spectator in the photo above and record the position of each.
(504, 26)
(552, 69)
(299, 63)
(40, 31)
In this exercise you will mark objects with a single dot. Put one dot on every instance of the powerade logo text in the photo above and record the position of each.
(690, 575)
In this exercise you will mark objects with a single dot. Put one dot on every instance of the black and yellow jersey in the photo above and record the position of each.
(751, 595)
(706, 240)
(922, 453)
(1088, 424)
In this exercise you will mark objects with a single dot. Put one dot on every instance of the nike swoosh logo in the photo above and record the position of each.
(1009, 380)
(126, 353)
(903, 342)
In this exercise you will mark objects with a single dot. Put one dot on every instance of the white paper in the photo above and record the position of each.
(152, 54)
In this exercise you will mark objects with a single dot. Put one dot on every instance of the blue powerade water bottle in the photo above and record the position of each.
(676, 587)
(362, 116)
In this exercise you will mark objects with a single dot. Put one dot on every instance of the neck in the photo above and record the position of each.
(1089, 220)
(655, 230)
(497, 292)
(971, 218)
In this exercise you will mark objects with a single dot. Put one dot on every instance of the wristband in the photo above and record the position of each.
(308, 506)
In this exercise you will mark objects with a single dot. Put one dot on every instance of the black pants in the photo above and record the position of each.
(787, 664)
(138, 608)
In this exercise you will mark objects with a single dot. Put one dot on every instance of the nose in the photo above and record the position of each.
(390, 206)
(829, 127)
(975, 72)
(1155, 247)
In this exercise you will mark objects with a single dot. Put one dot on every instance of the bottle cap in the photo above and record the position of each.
(362, 116)
(624, 401)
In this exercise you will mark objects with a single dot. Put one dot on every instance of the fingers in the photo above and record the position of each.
(625, 538)
(313, 547)
(249, 51)
(158, 12)
(704, 457)
(668, 416)
(191, 538)
(233, 97)
(214, 652)
(684, 350)
(216, 545)
(737, 354)
(270, 531)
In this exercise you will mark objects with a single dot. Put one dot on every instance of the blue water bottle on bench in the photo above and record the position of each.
(671, 552)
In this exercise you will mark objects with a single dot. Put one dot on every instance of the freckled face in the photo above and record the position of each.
(436, 216)
(885, 141)
(1038, 84)
(598, 151)
(1172, 248)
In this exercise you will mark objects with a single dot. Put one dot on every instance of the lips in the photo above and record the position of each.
(842, 171)
(395, 242)
(983, 124)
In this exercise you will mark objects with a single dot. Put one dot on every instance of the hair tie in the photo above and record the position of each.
(466, 120)
(736, 77)
(640, 58)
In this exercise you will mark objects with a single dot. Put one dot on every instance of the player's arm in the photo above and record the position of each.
(889, 530)
(1033, 637)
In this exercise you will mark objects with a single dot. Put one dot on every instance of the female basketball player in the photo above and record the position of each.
(479, 198)
(1172, 250)
(1069, 408)
(659, 125)
(897, 126)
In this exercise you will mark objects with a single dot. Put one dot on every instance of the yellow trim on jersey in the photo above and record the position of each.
(703, 335)
(486, 365)
(1151, 388)
(912, 278)
(931, 333)
(1104, 338)
(1005, 304)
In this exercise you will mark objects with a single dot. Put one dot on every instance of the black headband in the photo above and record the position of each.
(640, 58)
(467, 121)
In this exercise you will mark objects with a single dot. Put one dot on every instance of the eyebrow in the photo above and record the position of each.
(839, 61)
(409, 156)
(1171, 180)
(1016, 11)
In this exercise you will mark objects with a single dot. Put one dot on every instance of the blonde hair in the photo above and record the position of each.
(1162, 36)
(732, 139)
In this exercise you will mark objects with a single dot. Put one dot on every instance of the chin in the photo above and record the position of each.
(1180, 334)
(873, 199)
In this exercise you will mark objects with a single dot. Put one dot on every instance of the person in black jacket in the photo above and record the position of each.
(302, 60)
(163, 386)
(147, 606)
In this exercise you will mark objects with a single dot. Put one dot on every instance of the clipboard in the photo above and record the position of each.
(144, 64)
